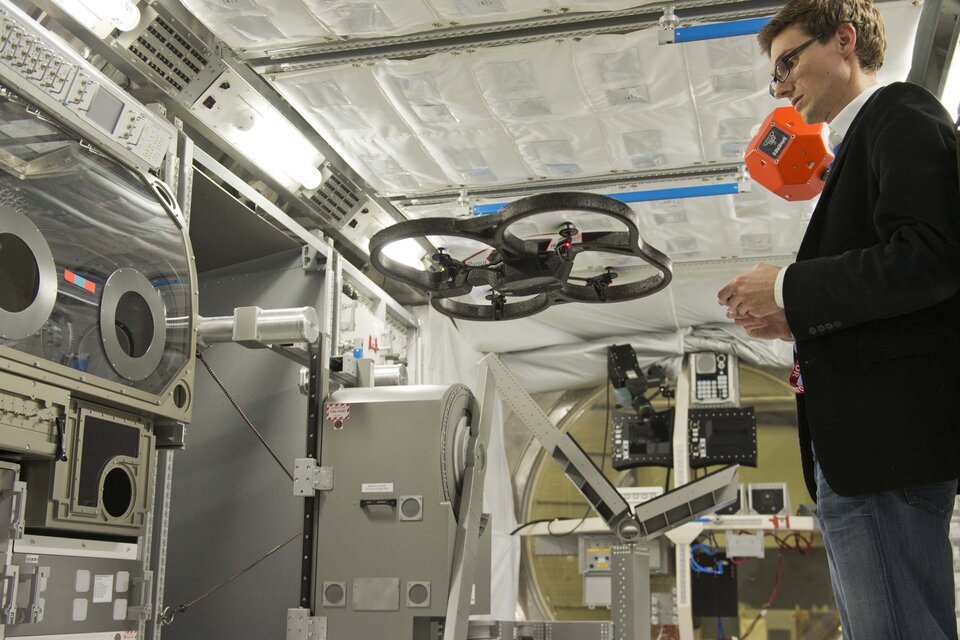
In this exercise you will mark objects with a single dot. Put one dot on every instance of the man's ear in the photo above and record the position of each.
(847, 39)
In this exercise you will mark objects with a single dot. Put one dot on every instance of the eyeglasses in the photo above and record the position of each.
(786, 63)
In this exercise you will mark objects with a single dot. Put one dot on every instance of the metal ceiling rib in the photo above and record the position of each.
(729, 171)
(351, 51)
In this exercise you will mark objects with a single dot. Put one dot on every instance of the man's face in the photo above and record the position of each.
(811, 84)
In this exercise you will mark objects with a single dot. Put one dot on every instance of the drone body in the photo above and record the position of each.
(525, 275)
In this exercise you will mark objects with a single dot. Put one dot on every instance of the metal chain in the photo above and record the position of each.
(169, 613)
(242, 414)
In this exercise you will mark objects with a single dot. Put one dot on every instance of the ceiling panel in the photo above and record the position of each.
(535, 113)
(262, 25)
(555, 109)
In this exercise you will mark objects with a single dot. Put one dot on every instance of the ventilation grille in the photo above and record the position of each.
(169, 54)
(338, 199)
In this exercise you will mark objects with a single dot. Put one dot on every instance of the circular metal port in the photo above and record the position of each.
(132, 324)
(30, 276)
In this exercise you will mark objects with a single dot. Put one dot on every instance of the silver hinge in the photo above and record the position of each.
(302, 626)
(309, 477)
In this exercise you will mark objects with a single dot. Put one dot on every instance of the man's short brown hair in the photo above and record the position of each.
(824, 16)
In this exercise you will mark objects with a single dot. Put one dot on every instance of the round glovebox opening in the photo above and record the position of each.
(19, 272)
(134, 324)
(181, 396)
(117, 492)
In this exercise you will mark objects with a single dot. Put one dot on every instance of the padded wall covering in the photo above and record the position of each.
(264, 25)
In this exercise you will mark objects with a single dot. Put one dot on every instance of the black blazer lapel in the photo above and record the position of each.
(808, 244)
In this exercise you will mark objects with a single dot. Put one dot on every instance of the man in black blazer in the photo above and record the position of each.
(873, 308)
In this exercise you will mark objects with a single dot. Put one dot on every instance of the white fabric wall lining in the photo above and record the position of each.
(549, 109)
(262, 25)
(448, 358)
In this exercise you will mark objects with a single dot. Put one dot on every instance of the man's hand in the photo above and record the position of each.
(769, 327)
(751, 292)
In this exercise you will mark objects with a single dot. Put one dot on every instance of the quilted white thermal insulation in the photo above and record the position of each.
(269, 25)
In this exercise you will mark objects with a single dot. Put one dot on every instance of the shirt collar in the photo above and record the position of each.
(841, 124)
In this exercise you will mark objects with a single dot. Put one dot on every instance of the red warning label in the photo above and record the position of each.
(338, 413)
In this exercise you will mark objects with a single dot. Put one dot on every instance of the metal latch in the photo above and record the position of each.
(302, 626)
(144, 610)
(309, 477)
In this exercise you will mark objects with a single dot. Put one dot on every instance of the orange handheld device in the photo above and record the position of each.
(788, 156)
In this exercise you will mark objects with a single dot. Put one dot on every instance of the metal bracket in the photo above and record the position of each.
(33, 612)
(18, 509)
(302, 626)
(9, 581)
(245, 327)
(170, 435)
(313, 260)
(309, 477)
(304, 382)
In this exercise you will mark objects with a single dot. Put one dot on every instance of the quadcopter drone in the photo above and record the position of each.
(535, 271)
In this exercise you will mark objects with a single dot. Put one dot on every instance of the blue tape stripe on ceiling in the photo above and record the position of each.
(720, 30)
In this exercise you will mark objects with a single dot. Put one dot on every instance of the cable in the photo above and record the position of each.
(710, 551)
(773, 596)
(666, 480)
(786, 545)
(242, 414)
(603, 460)
(579, 524)
(170, 613)
(530, 524)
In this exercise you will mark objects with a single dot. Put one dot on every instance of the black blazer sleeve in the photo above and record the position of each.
(899, 162)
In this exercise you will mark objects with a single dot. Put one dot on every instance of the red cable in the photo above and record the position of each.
(773, 596)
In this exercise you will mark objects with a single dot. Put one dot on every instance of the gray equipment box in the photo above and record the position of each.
(595, 559)
(386, 532)
(105, 485)
(68, 586)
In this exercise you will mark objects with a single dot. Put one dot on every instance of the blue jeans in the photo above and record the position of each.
(890, 559)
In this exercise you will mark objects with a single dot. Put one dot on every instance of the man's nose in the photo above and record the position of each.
(782, 89)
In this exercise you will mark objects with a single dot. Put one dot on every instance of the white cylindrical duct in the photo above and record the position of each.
(389, 375)
(269, 326)
(214, 330)
(288, 325)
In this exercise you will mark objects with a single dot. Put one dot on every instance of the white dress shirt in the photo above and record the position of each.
(838, 129)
